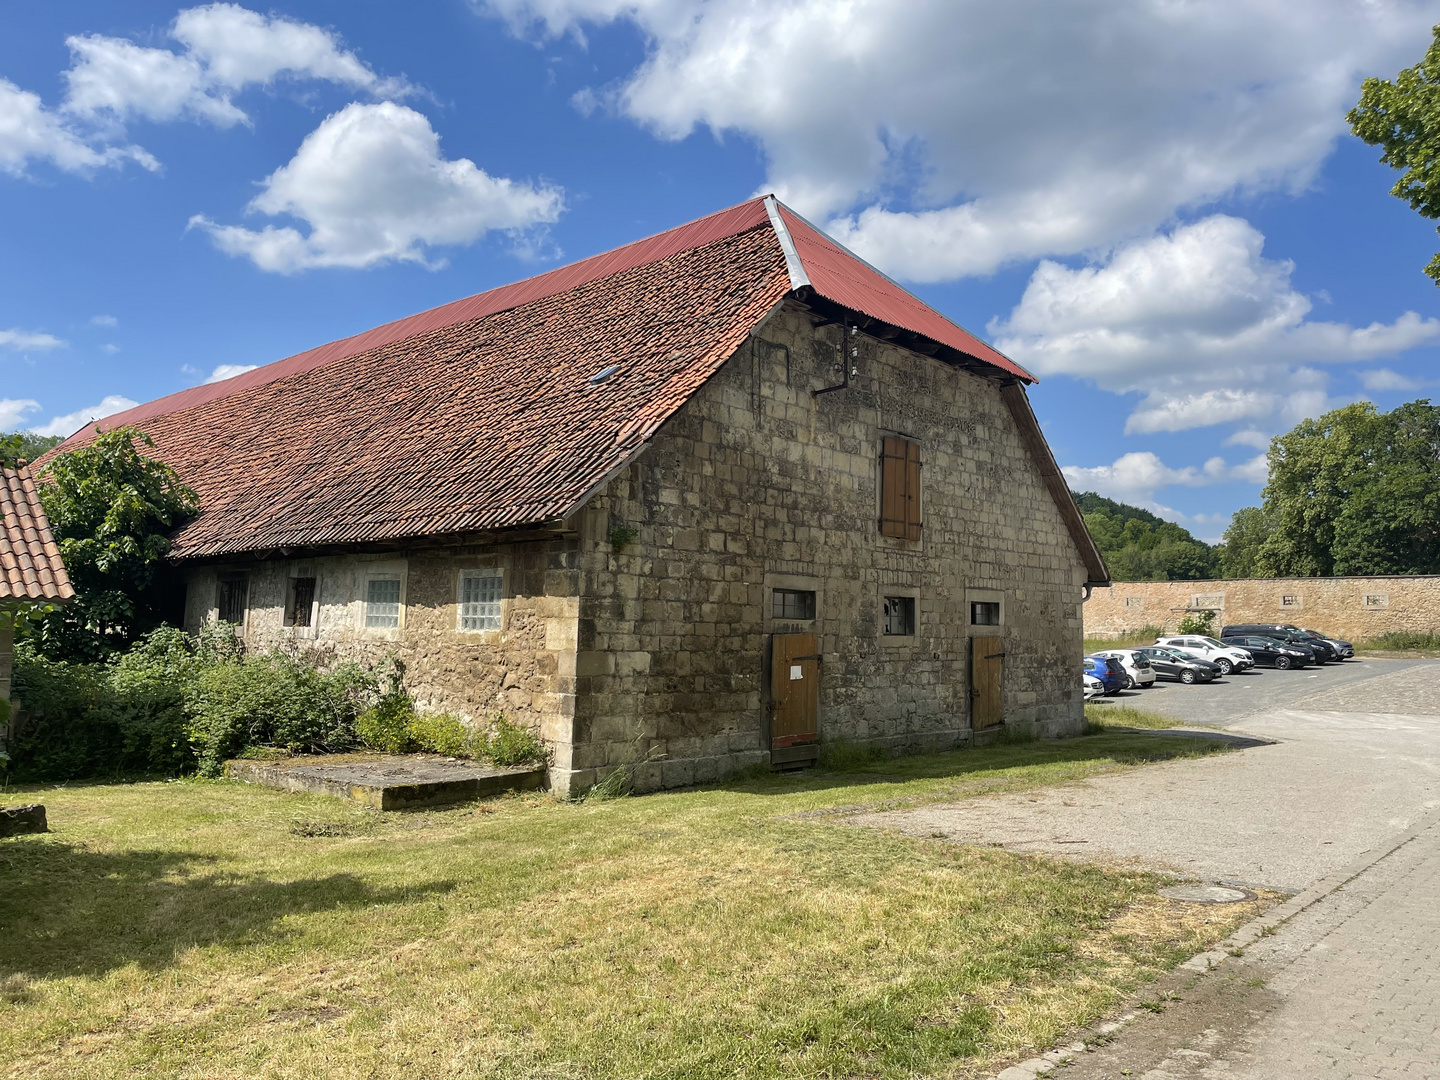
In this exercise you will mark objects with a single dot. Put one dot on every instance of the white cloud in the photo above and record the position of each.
(104, 320)
(1135, 477)
(372, 186)
(30, 132)
(227, 48)
(1248, 437)
(72, 422)
(1380, 379)
(110, 347)
(1199, 321)
(28, 339)
(13, 412)
(229, 371)
(953, 136)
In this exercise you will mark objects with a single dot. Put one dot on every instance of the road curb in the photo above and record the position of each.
(1241, 939)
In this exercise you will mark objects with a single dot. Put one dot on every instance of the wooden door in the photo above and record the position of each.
(795, 690)
(987, 657)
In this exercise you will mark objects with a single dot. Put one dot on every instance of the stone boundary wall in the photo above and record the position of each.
(1353, 608)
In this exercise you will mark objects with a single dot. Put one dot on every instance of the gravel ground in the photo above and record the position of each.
(1335, 782)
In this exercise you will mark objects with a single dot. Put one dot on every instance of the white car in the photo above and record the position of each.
(1226, 657)
(1138, 672)
(1094, 688)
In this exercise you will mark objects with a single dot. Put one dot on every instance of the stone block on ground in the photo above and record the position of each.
(390, 781)
(17, 820)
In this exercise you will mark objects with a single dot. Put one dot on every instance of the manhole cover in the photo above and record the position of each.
(1207, 894)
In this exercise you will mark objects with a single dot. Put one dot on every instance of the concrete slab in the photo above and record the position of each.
(390, 782)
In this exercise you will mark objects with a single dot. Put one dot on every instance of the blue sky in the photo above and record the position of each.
(1155, 208)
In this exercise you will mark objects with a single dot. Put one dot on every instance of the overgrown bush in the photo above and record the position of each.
(393, 726)
(507, 743)
(1405, 641)
(1201, 623)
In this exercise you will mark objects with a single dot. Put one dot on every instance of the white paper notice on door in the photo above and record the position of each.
(795, 672)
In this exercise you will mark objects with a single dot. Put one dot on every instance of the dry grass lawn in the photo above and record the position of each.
(212, 929)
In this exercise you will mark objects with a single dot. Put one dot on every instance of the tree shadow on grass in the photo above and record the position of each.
(68, 910)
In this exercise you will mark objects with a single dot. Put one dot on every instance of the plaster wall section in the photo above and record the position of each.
(1352, 608)
(525, 669)
(758, 484)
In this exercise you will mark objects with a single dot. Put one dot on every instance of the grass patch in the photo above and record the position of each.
(1105, 717)
(210, 928)
(1131, 639)
(1422, 645)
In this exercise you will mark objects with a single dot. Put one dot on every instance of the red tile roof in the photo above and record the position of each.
(30, 563)
(482, 413)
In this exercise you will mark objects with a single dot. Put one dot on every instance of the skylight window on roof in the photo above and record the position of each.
(603, 374)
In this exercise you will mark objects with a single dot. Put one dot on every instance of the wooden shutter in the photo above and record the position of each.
(900, 488)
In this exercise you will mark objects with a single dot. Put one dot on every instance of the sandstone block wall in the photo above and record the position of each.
(525, 669)
(1349, 608)
(757, 485)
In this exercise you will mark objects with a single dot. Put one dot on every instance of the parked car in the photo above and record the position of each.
(1343, 648)
(1223, 656)
(1107, 671)
(1169, 664)
(1268, 650)
(1094, 688)
(1320, 652)
(1138, 672)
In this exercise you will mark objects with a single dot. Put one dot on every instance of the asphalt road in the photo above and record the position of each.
(1261, 689)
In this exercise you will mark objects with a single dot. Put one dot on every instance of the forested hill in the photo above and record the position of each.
(1138, 546)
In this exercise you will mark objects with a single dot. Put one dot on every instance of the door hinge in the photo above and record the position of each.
(995, 656)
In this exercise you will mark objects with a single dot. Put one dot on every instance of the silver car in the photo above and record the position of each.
(1138, 672)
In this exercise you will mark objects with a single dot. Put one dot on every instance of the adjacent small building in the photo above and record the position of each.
(692, 505)
(31, 570)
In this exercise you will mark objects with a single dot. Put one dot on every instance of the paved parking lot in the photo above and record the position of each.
(1346, 763)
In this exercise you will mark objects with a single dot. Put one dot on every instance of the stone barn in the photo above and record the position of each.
(703, 502)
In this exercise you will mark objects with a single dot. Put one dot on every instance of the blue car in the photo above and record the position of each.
(1108, 670)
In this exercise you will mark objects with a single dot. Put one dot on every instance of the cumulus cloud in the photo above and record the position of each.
(1248, 437)
(1198, 320)
(28, 339)
(372, 187)
(70, 423)
(1135, 477)
(31, 132)
(226, 48)
(104, 320)
(1019, 130)
(1380, 379)
(14, 411)
(229, 371)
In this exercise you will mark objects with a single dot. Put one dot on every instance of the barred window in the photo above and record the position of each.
(480, 599)
(984, 613)
(298, 603)
(382, 602)
(231, 598)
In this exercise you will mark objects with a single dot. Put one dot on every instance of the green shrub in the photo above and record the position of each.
(274, 700)
(1201, 623)
(386, 726)
(507, 743)
(1405, 641)
(443, 733)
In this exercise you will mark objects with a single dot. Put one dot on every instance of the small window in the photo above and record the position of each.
(793, 604)
(899, 614)
(900, 488)
(382, 602)
(299, 601)
(480, 600)
(231, 601)
(985, 613)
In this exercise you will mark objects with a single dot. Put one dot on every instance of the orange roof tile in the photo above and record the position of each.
(483, 414)
(30, 563)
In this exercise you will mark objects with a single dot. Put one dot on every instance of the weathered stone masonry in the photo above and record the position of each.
(641, 636)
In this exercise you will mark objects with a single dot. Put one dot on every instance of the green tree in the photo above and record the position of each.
(1403, 118)
(1139, 546)
(24, 446)
(1249, 528)
(111, 509)
(1355, 492)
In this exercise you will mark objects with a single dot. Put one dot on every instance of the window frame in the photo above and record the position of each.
(480, 574)
(909, 614)
(812, 606)
(287, 616)
(985, 596)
